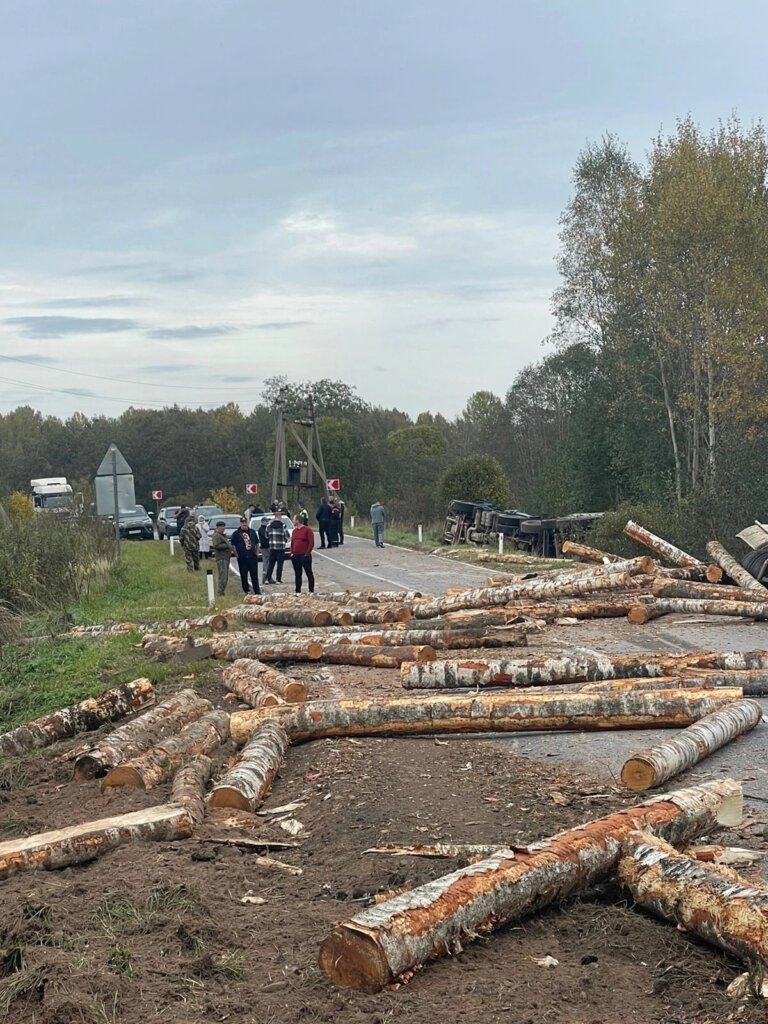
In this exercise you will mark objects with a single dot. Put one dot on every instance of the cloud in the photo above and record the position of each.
(80, 392)
(233, 379)
(93, 302)
(59, 326)
(190, 331)
(168, 367)
(321, 233)
(447, 321)
(31, 358)
(281, 325)
(149, 270)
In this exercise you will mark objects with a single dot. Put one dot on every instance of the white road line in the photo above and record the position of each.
(362, 572)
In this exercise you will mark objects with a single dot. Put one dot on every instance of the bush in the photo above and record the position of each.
(227, 499)
(473, 478)
(688, 525)
(46, 563)
(20, 508)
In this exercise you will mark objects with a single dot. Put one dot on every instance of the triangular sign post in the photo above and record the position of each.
(109, 465)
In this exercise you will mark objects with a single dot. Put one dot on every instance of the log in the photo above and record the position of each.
(181, 649)
(743, 579)
(78, 844)
(589, 554)
(440, 850)
(754, 682)
(711, 901)
(247, 783)
(640, 614)
(189, 784)
(650, 768)
(659, 683)
(244, 671)
(575, 609)
(386, 942)
(661, 547)
(663, 587)
(143, 732)
(245, 647)
(247, 687)
(731, 661)
(202, 736)
(376, 657)
(297, 616)
(87, 715)
(498, 712)
(489, 596)
(740, 609)
(710, 573)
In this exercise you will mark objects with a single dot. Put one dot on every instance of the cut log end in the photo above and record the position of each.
(88, 767)
(639, 614)
(351, 958)
(295, 692)
(227, 796)
(713, 573)
(637, 775)
(123, 775)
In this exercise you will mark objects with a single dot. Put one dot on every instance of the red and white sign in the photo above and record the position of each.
(333, 485)
(157, 495)
(251, 488)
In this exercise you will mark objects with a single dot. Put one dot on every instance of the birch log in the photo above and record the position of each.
(247, 678)
(248, 781)
(706, 573)
(661, 547)
(683, 606)
(754, 682)
(288, 616)
(659, 683)
(386, 942)
(711, 901)
(497, 712)
(134, 737)
(736, 572)
(575, 609)
(663, 587)
(202, 736)
(641, 613)
(246, 647)
(574, 550)
(377, 657)
(488, 596)
(189, 784)
(78, 844)
(652, 767)
(85, 716)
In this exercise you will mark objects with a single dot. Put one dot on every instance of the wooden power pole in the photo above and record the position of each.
(310, 446)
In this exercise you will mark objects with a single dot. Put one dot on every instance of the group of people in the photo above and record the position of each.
(271, 543)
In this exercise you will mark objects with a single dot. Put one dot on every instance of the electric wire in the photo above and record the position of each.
(101, 398)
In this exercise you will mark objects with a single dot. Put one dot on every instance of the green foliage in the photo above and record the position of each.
(475, 477)
(20, 508)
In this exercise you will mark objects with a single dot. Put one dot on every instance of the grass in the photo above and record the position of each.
(403, 536)
(118, 913)
(53, 672)
(120, 961)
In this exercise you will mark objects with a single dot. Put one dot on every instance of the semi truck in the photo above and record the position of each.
(52, 494)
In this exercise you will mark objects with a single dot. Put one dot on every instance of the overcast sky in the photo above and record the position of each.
(199, 194)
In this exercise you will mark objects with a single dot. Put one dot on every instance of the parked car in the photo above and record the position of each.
(231, 522)
(210, 512)
(135, 523)
(166, 522)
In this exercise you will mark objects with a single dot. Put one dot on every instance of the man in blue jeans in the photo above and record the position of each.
(246, 545)
(377, 521)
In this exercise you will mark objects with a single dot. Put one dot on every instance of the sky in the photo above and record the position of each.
(198, 195)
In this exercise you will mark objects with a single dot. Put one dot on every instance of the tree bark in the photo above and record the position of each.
(246, 676)
(576, 609)
(85, 716)
(668, 405)
(296, 616)
(143, 732)
(489, 596)
(247, 783)
(749, 609)
(711, 901)
(439, 850)
(189, 784)
(640, 614)
(78, 844)
(376, 657)
(248, 688)
(652, 767)
(231, 649)
(589, 554)
(657, 683)
(202, 736)
(183, 649)
(709, 573)
(703, 591)
(386, 942)
(661, 547)
(475, 713)
(737, 573)
(383, 613)
(754, 682)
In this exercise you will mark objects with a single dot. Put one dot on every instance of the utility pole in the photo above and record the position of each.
(310, 446)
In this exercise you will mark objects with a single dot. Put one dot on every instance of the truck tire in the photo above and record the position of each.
(755, 561)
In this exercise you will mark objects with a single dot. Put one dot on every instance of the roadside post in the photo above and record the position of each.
(170, 538)
(501, 543)
(114, 486)
(352, 522)
(420, 533)
(209, 584)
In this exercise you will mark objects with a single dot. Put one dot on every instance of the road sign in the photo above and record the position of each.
(251, 488)
(333, 485)
(157, 495)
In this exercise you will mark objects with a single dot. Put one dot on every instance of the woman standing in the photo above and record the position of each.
(302, 543)
(204, 529)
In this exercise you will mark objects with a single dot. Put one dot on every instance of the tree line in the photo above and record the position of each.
(653, 392)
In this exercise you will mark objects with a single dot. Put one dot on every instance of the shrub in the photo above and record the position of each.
(473, 478)
(227, 499)
(20, 508)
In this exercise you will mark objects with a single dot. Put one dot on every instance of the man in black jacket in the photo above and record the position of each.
(246, 545)
(323, 517)
(264, 546)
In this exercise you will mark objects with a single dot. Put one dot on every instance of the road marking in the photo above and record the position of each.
(362, 572)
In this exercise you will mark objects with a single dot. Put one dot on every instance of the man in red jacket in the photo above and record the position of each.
(302, 543)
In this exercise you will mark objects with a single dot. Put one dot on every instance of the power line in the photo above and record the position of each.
(123, 380)
(101, 398)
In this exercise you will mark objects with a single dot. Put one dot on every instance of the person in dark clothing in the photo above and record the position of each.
(181, 517)
(277, 532)
(323, 517)
(332, 529)
(302, 543)
(339, 504)
(264, 546)
(245, 541)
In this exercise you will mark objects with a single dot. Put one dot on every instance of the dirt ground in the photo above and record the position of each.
(160, 931)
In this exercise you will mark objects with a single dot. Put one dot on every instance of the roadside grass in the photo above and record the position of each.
(403, 536)
(50, 672)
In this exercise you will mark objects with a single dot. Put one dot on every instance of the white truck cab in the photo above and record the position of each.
(52, 494)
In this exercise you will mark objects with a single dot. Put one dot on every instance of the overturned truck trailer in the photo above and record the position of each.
(481, 522)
